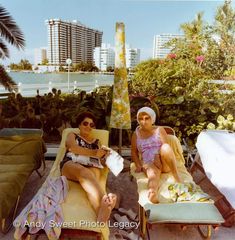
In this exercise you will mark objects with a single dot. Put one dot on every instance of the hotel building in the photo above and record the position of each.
(40, 55)
(159, 41)
(104, 57)
(71, 40)
(132, 57)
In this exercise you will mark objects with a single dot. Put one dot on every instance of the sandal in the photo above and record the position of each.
(117, 236)
(130, 235)
(124, 220)
(120, 218)
(130, 213)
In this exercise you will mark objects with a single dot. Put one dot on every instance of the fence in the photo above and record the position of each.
(29, 90)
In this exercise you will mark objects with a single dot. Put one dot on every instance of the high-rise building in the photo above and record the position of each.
(71, 40)
(132, 57)
(159, 41)
(40, 55)
(104, 57)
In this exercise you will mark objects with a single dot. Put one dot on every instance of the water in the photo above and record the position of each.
(28, 82)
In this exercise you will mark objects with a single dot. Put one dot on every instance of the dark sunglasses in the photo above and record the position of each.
(85, 123)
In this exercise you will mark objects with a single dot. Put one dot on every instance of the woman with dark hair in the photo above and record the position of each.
(84, 144)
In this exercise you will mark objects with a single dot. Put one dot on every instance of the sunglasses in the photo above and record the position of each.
(85, 123)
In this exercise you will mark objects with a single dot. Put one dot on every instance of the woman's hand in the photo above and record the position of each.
(138, 169)
(100, 153)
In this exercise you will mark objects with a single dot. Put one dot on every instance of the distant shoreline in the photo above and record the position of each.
(79, 72)
(28, 82)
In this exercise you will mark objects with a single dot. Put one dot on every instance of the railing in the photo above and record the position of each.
(224, 82)
(232, 82)
(30, 89)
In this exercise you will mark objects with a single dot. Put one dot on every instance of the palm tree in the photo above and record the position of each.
(11, 33)
(194, 29)
(6, 80)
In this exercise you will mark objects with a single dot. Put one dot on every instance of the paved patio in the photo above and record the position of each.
(127, 190)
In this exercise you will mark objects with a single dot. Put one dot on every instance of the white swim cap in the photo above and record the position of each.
(149, 111)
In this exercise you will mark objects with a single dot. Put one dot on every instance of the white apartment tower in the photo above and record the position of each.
(40, 55)
(132, 57)
(104, 57)
(159, 41)
(71, 40)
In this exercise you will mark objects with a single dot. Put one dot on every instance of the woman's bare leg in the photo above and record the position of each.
(102, 203)
(96, 172)
(169, 161)
(76, 172)
(153, 173)
(107, 204)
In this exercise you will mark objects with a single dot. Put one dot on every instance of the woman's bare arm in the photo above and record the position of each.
(135, 153)
(163, 135)
(72, 146)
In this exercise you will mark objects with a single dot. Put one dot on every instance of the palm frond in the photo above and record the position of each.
(9, 29)
(3, 50)
(6, 80)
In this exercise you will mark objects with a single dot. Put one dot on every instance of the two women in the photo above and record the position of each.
(151, 152)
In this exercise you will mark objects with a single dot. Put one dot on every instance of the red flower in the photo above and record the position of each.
(171, 55)
(200, 58)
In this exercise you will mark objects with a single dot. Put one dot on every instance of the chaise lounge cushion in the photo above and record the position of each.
(177, 212)
(77, 208)
(19, 156)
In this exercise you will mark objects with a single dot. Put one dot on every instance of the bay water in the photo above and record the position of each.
(29, 82)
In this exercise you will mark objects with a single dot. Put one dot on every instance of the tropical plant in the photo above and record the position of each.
(223, 123)
(6, 80)
(224, 30)
(180, 84)
(24, 64)
(86, 67)
(110, 69)
(11, 33)
(45, 62)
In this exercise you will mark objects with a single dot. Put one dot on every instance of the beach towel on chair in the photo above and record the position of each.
(179, 203)
(44, 210)
(217, 152)
(77, 208)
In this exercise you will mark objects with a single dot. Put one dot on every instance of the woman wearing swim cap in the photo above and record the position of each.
(151, 152)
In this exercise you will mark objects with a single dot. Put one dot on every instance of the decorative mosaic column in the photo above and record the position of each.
(120, 114)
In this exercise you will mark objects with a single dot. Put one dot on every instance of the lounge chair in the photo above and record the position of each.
(216, 161)
(21, 152)
(170, 212)
(76, 208)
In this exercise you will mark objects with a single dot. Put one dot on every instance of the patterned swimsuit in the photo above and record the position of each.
(149, 147)
(82, 143)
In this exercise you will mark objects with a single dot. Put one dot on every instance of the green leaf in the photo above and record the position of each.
(220, 119)
(230, 117)
(211, 126)
(179, 100)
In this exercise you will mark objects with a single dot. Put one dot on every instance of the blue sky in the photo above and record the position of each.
(143, 19)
